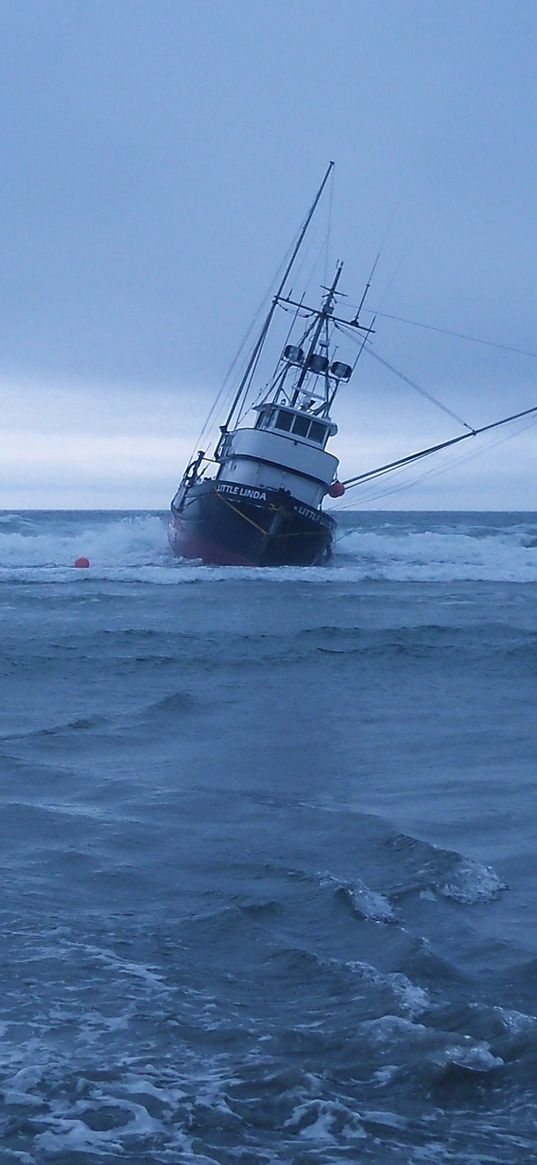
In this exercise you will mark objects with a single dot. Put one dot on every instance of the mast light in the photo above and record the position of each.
(317, 363)
(340, 371)
(293, 354)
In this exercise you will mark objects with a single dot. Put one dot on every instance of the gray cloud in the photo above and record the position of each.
(159, 158)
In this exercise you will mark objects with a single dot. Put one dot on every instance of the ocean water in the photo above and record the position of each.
(269, 886)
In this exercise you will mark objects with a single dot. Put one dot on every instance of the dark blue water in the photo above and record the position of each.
(267, 838)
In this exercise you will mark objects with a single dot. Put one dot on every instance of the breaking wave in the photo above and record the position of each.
(38, 543)
(407, 547)
(437, 551)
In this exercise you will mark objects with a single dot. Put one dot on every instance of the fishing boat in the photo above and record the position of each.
(258, 499)
(263, 503)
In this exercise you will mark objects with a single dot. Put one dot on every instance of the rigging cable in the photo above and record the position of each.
(280, 279)
(365, 337)
(329, 225)
(458, 335)
(258, 346)
(371, 274)
(381, 470)
(401, 486)
(423, 391)
(298, 312)
(226, 388)
(406, 380)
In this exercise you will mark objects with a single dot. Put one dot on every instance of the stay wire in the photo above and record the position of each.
(457, 335)
(454, 463)
(329, 225)
(246, 404)
(226, 388)
(422, 391)
(406, 380)
(381, 470)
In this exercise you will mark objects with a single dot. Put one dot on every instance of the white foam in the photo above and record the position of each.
(26, 1099)
(516, 1022)
(446, 556)
(471, 882)
(72, 1132)
(135, 548)
(77, 1136)
(477, 1057)
(370, 903)
(128, 541)
(390, 1028)
(413, 999)
(324, 1120)
(367, 903)
(390, 1119)
(16, 1089)
(127, 967)
(141, 1086)
(384, 1076)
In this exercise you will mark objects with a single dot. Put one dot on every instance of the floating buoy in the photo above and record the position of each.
(82, 561)
(336, 490)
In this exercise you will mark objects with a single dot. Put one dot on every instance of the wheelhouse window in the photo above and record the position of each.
(301, 426)
(265, 419)
(284, 419)
(317, 432)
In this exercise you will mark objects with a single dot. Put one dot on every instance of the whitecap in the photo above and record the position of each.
(368, 904)
(413, 999)
(324, 1120)
(470, 882)
(388, 1028)
(476, 1057)
(516, 1022)
(439, 555)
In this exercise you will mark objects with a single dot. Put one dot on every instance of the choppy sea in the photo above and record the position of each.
(268, 847)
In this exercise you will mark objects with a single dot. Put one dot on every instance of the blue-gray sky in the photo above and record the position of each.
(158, 156)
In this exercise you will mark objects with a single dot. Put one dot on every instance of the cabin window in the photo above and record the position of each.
(264, 419)
(284, 420)
(301, 426)
(317, 432)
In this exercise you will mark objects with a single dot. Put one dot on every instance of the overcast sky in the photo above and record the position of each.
(158, 157)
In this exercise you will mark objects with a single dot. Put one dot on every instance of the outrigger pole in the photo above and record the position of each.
(392, 465)
(263, 334)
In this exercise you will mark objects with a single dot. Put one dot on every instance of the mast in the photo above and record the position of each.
(263, 334)
(324, 316)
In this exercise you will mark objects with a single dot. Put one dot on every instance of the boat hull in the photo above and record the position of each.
(228, 524)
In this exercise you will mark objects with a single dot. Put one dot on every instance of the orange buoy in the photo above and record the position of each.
(336, 490)
(82, 561)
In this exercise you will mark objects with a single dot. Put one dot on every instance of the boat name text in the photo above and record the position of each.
(242, 491)
(315, 515)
